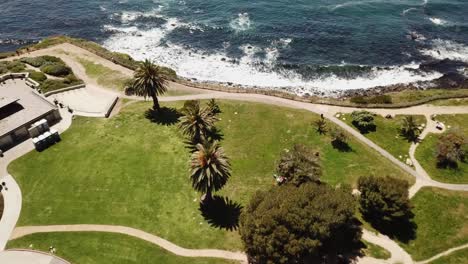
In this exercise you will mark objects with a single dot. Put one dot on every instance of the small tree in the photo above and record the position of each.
(321, 126)
(210, 168)
(213, 106)
(363, 120)
(149, 81)
(385, 203)
(308, 224)
(339, 139)
(300, 165)
(196, 122)
(409, 128)
(451, 148)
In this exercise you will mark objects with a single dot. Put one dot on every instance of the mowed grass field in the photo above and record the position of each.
(441, 217)
(387, 134)
(426, 152)
(105, 248)
(130, 171)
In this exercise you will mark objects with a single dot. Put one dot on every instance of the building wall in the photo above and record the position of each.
(21, 134)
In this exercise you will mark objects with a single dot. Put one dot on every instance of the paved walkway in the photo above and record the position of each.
(29, 257)
(173, 248)
(422, 179)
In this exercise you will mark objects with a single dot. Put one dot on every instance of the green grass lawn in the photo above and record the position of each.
(129, 171)
(376, 251)
(426, 152)
(416, 95)
(442, 222)
(387, 134)
(457, 257)
(104, 76)
(101, 248)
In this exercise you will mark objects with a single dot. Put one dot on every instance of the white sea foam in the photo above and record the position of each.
(439, 21)
(445, 49)
(408, 10)
(251, 69)
(130, 16)
(241, 23)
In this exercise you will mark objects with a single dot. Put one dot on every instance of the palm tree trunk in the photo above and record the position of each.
(156, 106)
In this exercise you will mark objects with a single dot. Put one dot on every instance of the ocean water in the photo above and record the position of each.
(303, 46)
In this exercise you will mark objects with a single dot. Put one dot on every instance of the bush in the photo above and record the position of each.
(37, 76)
(52, 85)
(363, 120)
(13, 66)
(42, 60)
(305, 224)
(451, 148)
(71, 79)
(58, 70)
(378, 99)
(385, 203)
(298, 166)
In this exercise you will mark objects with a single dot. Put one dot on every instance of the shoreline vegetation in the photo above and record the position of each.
(379, 97)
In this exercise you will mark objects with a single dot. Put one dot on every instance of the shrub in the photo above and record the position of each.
(358, 100)
(305, 224)
(3, 69)
(339, 139)
(52, 85)
(37, 76)
(451, 148)
(321, 125)
(363, 120)
(35, 62)
(14, 66)
(71, 79)
(58, 70)
(298, 166)
(385, 203)
(380, 99)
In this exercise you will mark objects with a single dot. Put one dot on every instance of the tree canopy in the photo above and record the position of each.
(299, 165)
(306, 224)
(451, 148)
(149, 81)
(363, 120)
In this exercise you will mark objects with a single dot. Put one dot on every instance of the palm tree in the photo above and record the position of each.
(409, 128)
(149, 81)
(210, 168)
(196, 122)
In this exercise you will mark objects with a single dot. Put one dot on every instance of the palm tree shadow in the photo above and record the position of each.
(165, 116)
(221, 212)
(216, 134)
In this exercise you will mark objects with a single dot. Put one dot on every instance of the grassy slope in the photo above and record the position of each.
(101, 248)
(425, 153)
(457, 257)
(442, 222)
(451, 102)
(129, 171)
(105, 76)
(376, 251)
(387, 134)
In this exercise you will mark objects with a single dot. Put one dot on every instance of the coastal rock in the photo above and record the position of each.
(443, 66)
(452, 80)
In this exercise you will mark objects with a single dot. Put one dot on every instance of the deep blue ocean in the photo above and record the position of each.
(304, 45)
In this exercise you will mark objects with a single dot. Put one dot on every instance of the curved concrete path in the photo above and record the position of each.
(20, 256)
(171, 247)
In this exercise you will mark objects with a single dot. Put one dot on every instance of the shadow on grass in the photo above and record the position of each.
(365, 129)
(165, 116)
(341, 146)
(216, 134)
(220, 212)
(403, 229)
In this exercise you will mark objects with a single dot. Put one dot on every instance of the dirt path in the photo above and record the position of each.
(171, 247)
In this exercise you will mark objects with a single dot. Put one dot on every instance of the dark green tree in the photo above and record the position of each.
(385, 203)
(196, 122)
(339, 139)
(312, 223)
(299, 165)
(209, 168)
(321, 126)
(452, 147)
(149, 81)
(363, 120)
(409, 128)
